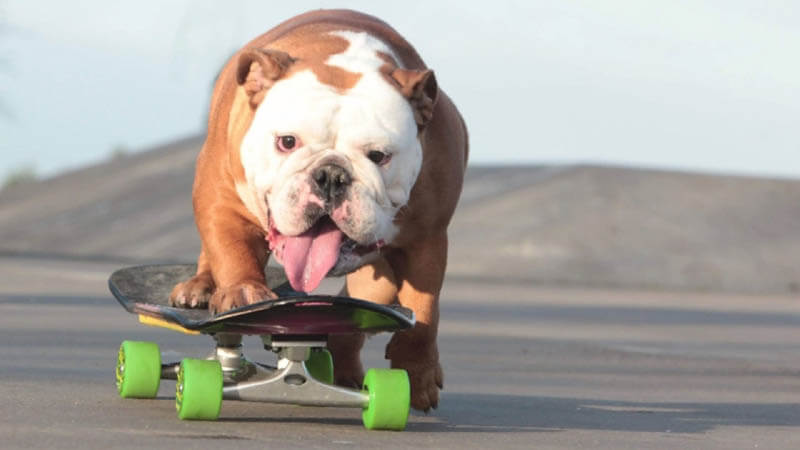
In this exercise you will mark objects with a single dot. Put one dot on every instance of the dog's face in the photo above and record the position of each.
(331, 164)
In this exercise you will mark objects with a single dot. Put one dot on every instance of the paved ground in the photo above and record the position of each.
(525, 367)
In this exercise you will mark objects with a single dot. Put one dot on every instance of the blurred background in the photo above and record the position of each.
(697, 85)
(617, 143)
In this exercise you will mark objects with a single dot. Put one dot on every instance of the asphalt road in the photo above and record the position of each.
(525, 366)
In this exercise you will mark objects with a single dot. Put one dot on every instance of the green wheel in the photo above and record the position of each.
(389, 399)
(198, 392)
(138, 369)
(320, 365)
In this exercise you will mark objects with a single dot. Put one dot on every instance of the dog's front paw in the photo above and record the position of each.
(194, 292)
(240, 294)
(426, 379)
(349, 375)
(424, 372)
(346, 352)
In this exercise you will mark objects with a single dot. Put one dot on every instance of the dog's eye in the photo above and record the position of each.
(287, 143)
(378, 157)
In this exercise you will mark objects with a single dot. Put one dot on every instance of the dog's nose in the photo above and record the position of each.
(331, 183)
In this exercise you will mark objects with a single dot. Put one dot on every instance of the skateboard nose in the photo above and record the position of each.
(330, 183)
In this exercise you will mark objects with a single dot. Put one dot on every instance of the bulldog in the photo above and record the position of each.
(331, 147)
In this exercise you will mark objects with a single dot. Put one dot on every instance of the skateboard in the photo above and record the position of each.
(295, 326)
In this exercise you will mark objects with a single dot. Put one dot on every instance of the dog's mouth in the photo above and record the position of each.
(308, 257)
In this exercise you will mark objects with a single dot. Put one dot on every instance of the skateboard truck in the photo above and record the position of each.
(290, 382)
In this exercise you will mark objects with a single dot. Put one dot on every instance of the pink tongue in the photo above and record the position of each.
(307, 258)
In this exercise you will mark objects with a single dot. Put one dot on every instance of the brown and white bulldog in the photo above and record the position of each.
(331, 147)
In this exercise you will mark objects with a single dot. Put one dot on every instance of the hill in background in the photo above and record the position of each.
(573, 225)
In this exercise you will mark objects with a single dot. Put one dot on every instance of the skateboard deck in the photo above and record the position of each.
(144, 290)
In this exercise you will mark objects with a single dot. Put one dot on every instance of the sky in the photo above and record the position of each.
(696, 85)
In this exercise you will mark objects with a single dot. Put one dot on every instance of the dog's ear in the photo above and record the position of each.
(259, 69)
(421, 90)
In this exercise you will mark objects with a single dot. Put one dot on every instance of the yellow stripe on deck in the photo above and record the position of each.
(155, 322)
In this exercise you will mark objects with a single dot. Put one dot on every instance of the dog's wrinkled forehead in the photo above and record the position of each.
(361, 109)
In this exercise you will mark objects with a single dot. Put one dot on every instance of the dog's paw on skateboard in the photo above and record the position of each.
(194, 292)
(241, 294)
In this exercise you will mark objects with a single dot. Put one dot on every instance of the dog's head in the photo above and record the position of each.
(332, 151)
